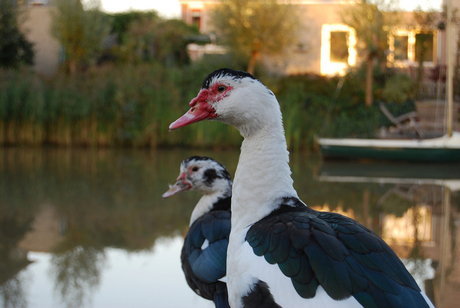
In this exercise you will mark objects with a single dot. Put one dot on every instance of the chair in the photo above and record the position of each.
(404, 123)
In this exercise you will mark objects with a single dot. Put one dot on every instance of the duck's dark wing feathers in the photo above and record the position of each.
(204, 267)
(347, 259)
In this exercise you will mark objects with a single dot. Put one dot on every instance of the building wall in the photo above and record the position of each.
(37, 29)
(312, 52)
(189, 7)
(305, 56)
(45, 234)
(454, 35)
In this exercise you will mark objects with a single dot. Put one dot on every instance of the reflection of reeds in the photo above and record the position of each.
(99, 197)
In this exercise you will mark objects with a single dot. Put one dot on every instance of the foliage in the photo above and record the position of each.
(329, 107)
(253, 28)
(81, 32)
(427, 22)
(130, 105)
(15, 49)
(371, 21)
(371, 25)
(171, 43)
(133, 105)
(153, 39)
(121, 22)
(315, 105)
(143, 36)
(399, 88)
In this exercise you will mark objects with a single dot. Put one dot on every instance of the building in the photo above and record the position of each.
(37, 29)
(328, 47)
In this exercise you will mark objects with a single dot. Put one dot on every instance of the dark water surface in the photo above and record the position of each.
(88, 228)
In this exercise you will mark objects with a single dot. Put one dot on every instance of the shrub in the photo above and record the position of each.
(399, 89)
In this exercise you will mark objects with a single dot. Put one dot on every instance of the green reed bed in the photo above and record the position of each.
(128, 105)
(133, 105)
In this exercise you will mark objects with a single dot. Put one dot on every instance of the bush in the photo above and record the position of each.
(130, 105)
(399, 89)
(133, 105)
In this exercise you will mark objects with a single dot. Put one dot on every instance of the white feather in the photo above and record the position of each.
(205, 244)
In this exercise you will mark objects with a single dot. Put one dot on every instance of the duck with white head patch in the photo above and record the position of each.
(204, 252)
(282, 253)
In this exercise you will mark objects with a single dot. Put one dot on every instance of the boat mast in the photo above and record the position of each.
(450, 72)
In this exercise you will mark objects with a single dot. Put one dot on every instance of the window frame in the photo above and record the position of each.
(411, 35)
(329, 67)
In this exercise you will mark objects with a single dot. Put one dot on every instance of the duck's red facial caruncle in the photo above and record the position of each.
(202, 106)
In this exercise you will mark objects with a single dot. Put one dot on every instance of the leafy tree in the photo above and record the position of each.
(427, 21)
(371, 21)
(14, 47)
(122, 22)
(149, 38)
(171, 41)
(256, 27)
(80, 31)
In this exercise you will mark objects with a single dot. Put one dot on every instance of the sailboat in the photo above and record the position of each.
(441, 149)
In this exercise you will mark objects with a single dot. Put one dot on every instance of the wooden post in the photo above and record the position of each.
(450, 71)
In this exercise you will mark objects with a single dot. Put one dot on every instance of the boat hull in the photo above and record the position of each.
(438, 150)
(403, 154)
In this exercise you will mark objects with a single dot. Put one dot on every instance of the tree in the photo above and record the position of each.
(256, 27)
(371, 21)
(171, 41)
(81, 32)
(144, 36)
(427, 21)
(15, 49)
(122, 22)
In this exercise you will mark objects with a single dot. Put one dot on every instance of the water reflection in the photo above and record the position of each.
(77, 273)
(419, 215)
(74, 205)
(84, 216)
(14, 224)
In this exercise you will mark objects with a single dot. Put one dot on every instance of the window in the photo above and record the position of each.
(339, 46)
(424, 43)
(338, 49)
(401, 44)
(408, 47)
(196, 18)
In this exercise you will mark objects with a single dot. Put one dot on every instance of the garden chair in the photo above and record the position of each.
(403, 123)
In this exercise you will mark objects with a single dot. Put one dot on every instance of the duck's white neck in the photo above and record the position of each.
(262, 176)
(204, 205)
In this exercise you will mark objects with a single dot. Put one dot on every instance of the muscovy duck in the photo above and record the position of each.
(204, 252)
(282, 253)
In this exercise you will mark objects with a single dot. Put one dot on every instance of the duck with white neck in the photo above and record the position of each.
(282, 253)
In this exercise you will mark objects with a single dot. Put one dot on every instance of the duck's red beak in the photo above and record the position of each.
(200, 111)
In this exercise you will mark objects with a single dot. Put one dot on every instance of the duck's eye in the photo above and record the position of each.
(195, 168)
(221, 89)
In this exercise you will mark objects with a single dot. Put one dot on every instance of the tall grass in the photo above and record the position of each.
(128, 106)
(133, 105)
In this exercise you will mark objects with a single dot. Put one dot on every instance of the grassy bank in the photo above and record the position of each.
(134, 105)
(130, 106)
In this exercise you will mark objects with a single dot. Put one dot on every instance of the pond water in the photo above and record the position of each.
(88, 228)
